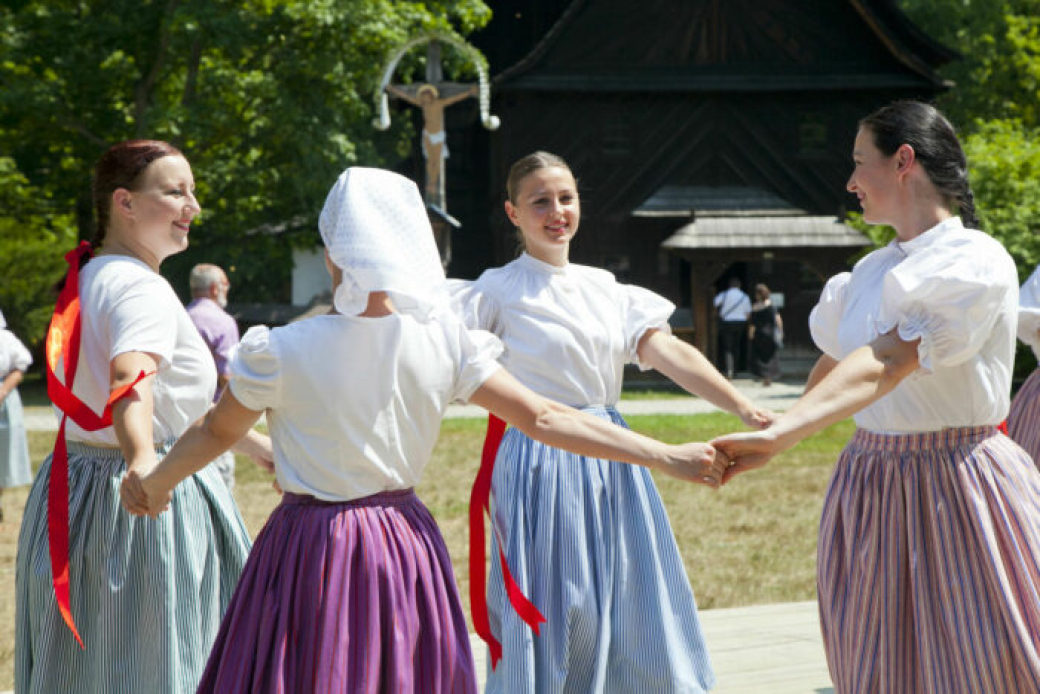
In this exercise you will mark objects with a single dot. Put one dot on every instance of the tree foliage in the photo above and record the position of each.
(269, 100)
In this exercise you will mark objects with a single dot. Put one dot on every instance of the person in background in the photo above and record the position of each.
(1024, 418)
(349, 587)
(928, 559)
(209, 292)
(733, 307)
(15, 468)
(764, 330)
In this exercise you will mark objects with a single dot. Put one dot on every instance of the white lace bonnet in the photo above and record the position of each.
(375, 228)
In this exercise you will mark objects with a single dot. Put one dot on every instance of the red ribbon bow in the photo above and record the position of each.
(479, 504)
(63, 342)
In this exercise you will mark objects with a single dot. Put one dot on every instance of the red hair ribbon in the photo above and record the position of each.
(1002, 428)
(63, 341)
(479, 504)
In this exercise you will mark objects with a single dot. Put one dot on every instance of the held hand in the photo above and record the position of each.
(746, 451)
(132, 494)
(159, 496)
(697, 462)
(757, 417)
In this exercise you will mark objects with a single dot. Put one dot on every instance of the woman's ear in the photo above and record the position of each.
(905, 158)
(511, 213)
(121, 201)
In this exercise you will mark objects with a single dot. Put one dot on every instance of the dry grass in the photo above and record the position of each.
(752, 542)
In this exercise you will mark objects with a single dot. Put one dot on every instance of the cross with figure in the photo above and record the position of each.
(433, 99)
(433, 96)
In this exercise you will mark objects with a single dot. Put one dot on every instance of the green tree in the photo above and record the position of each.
(269, 100)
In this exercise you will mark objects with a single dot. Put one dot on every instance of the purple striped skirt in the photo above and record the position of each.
(354, 596)
(1024, 420)
(928, 565)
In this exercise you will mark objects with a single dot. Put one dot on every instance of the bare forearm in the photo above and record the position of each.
(565, 427)
(691, 370)
(132, 422)
(193, 451)
(848, 386)
(10, 382)
(823, 366)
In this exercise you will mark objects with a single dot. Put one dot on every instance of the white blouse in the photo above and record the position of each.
(1029, 312)
(126, 307)
(954, 288)
(568, 330)
(354, 405)
(13, 354)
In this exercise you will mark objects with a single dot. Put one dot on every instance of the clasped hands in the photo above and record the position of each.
(715, 463)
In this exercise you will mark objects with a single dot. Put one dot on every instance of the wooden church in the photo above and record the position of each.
(710, 138)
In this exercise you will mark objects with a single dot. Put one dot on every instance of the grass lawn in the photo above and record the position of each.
(753, 541)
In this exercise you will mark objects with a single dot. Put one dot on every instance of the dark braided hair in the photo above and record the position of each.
(935, 146)
(121, 166)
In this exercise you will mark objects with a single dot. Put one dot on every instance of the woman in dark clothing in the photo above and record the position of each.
(764, 327)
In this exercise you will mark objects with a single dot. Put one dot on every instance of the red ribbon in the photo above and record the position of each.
(63, 341)
(479, 505)
(1003, 428)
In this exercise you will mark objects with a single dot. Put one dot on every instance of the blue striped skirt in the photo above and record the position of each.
(928, 565)
(147, 595)
(588, 541)
(1024, 419)
(15, 469)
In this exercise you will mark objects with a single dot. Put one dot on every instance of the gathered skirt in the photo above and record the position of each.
(15, 468)
(928, 565)
(147, 595)
(589, 543)
(1024, 419)
(355, 596)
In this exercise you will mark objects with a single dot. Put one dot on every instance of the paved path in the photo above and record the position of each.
(765, 649)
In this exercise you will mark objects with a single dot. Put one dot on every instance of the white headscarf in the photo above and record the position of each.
(375, 228)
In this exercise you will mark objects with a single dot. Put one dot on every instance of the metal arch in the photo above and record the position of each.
(489, 121)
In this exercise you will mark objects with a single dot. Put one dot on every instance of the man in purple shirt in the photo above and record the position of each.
(209, 290)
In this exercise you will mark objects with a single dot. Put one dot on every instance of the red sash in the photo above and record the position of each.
(479, 504)
(63, 341)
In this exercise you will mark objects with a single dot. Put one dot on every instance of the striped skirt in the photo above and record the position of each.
(356, 597)
(15, 469)
(588, 541)
(147, 595)
(928, 565)
(1024, 419)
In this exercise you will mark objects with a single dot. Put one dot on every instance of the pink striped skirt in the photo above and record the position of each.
(356, 596)
(928, 566)
(1024, 420)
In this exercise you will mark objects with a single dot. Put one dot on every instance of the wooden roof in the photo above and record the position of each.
(758, 231)
(730, 45)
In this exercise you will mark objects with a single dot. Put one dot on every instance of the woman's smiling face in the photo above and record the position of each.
(547, 211)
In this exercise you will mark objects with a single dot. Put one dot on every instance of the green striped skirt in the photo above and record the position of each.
(147, 595)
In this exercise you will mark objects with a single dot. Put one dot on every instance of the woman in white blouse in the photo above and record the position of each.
(125, 604)
(349, 587)
(586, 539)
(15, 469)
(928, 567)
(1024, 418)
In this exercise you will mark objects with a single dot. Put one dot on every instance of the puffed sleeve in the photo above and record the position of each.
(478, 354)
(254, 370)
(13, 354)
(950, 302)
(1029, 312)
(139, 319)
(472, 305)
(644, 310)
(826, 315)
